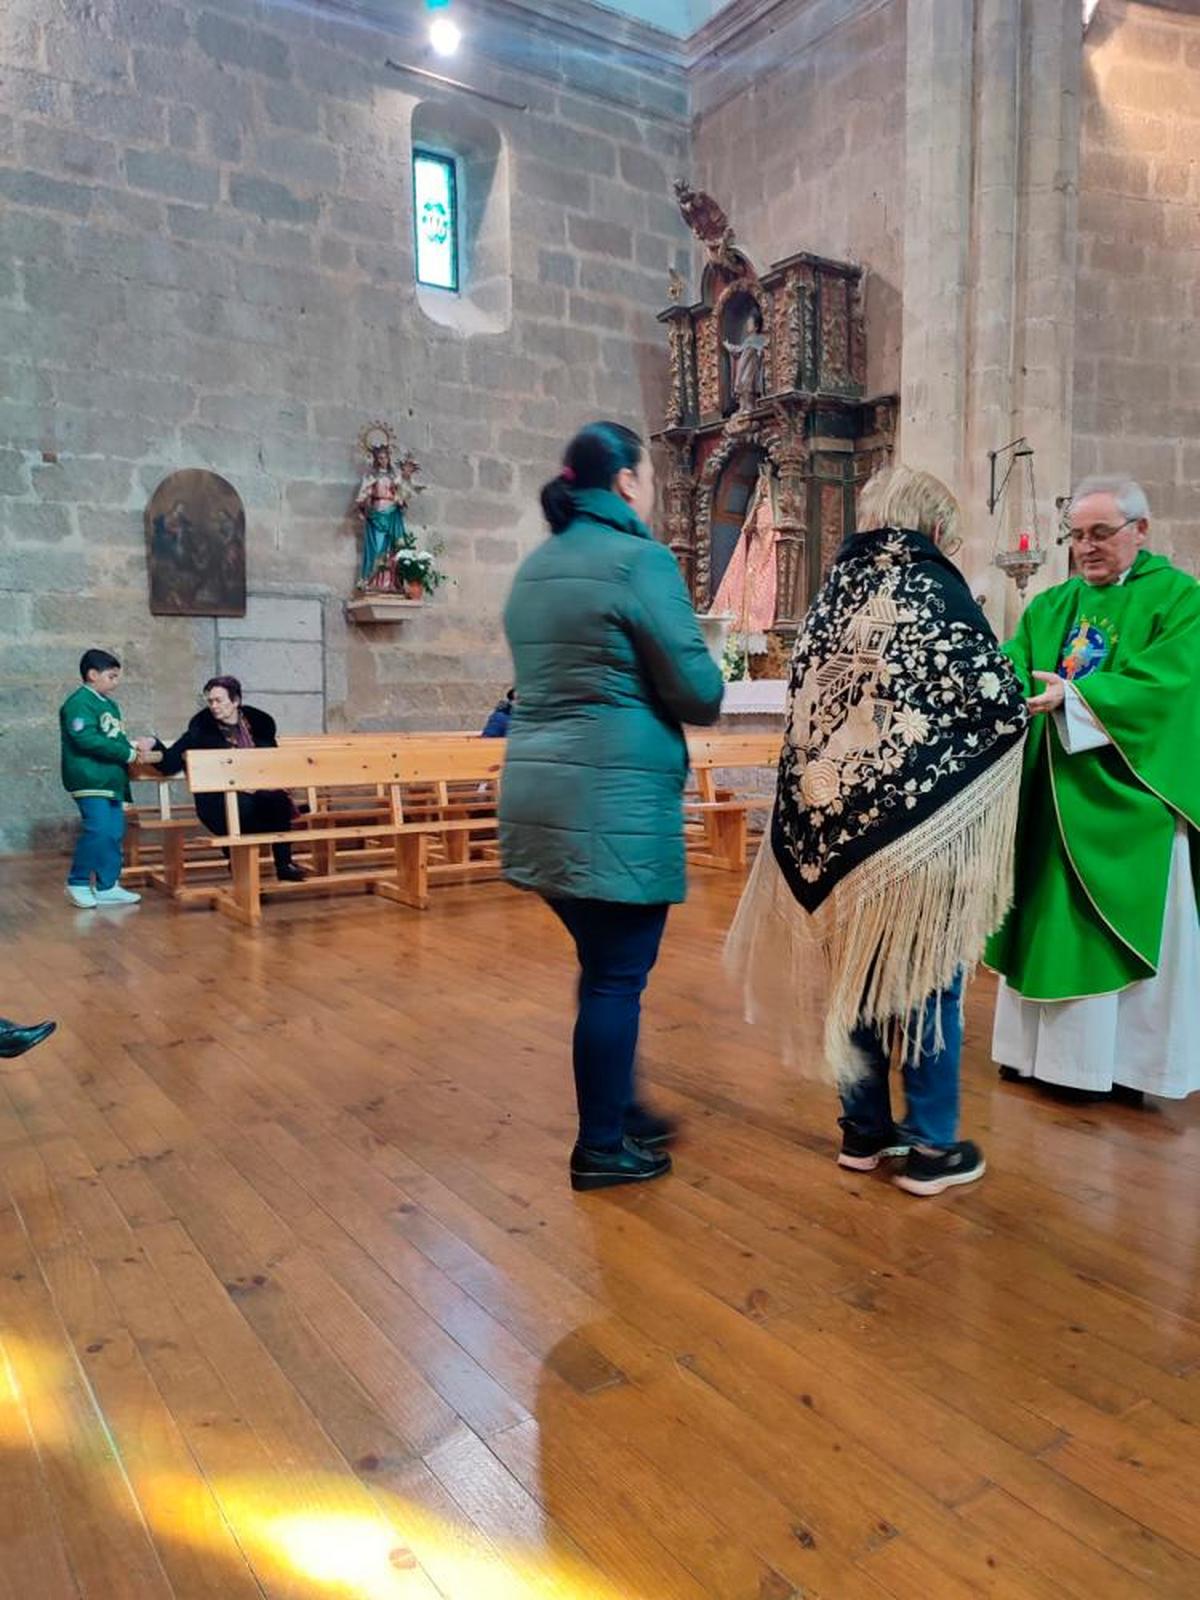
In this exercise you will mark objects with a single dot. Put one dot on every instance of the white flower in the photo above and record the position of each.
(989, 685)
(911, 725)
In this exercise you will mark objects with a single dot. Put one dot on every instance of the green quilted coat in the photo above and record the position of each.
(609, 663)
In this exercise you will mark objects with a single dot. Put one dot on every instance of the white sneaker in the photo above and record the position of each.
(81, 895)
(116, 896)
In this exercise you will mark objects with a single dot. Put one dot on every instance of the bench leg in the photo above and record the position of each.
(729, 839)
(244, 904)
(172, 861)
(411, 885)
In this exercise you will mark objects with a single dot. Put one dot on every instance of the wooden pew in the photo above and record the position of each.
(390, 765)
(165, 838)
(716, 816)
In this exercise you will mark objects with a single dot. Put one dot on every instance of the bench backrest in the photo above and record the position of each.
(320, 765)
(734, 749)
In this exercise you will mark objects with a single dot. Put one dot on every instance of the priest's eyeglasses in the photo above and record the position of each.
(1099, 533)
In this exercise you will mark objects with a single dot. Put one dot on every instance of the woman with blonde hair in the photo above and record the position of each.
(889, 859)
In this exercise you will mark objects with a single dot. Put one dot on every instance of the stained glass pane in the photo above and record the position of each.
(435, 209)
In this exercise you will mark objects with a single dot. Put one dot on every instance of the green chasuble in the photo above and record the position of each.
(1096, 828)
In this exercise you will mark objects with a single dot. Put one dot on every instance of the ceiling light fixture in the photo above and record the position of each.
(445, 36)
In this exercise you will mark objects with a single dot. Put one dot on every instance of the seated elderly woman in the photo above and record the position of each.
(226, 721)
(890, 850)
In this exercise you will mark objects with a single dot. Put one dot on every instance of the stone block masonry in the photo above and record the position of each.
(206, 260)
(1137, 336)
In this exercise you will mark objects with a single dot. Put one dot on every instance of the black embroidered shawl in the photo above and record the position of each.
(899, 699)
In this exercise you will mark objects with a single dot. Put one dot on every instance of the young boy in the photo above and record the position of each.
(96, 757)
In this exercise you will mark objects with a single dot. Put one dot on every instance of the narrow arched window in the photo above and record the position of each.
(435, 219)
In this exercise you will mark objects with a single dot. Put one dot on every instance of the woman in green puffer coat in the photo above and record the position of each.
(610, 663)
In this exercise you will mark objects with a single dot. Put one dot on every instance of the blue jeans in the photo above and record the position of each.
(98, 848)
(930, 1079)
(617, 945)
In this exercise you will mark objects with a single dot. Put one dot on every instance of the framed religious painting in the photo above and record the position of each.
(196, 547)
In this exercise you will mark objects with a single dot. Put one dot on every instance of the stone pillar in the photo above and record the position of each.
(938, 146)
(992, 156)
(1048, 180)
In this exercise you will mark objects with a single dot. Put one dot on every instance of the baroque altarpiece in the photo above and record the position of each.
(769, 434)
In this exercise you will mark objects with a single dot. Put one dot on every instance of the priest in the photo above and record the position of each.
(1100, 952)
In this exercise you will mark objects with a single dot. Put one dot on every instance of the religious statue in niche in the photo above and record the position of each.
(748, 588)
(747, 364)
(196, 547)
(382, 499)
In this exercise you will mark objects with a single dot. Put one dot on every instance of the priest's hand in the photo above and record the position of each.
(1051, 697)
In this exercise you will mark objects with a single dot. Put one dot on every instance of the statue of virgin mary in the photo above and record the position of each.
(747, 590)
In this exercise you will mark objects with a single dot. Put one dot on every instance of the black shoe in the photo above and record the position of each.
(1011, 1075)
(1123, 1095)
(602, 1169)
(15, 1040)
(861, 1154)
(289, 872)
(644, 1127)
(930, 1174)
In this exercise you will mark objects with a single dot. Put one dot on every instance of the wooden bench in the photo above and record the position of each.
(399, 868)
(716, 816)
(164, 839)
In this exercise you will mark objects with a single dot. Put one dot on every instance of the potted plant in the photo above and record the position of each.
(417, 573)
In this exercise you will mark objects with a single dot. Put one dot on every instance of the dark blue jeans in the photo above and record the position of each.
(617, 945)
(930, 1079)
(98, 848)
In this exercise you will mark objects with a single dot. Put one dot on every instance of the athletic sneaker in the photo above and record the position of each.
(81, 895)
(930, 1174)
(863, 1154)
(116, 896)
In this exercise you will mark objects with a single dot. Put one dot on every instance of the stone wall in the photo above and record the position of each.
(806, 152)
(205, 260)
(1137, 341)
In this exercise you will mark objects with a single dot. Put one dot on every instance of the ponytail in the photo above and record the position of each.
(591, 461)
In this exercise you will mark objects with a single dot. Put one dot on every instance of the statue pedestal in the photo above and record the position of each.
(381, 608)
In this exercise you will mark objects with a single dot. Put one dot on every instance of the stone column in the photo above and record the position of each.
(938, 147)
(1048, 190)
(992, 156)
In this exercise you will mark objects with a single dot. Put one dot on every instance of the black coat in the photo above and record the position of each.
(204, 733)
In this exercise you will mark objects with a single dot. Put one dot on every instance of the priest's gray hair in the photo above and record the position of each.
(902, 497)
(1127, 492)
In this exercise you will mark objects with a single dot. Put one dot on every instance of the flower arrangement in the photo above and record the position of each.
(735, 663)
(419, 569)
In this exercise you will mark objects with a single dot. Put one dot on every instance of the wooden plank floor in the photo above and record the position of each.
(295, 1300)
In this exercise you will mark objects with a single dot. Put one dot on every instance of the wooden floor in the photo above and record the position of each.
(295, 1299)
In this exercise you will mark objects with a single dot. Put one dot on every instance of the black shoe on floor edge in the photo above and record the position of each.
(648, 1128)
(859, 1154)
(931, 1174)
(1011, 1075)
(603, 1169)
(15, 1040)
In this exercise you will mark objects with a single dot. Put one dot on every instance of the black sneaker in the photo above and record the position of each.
(930, 1174)
(602, 1169)
(646, 1127)
(862, 1154)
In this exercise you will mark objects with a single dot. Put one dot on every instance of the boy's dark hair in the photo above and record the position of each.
(96, 661)
(230, 685)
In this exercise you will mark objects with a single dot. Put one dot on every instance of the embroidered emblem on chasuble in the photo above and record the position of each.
(1087, 648)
